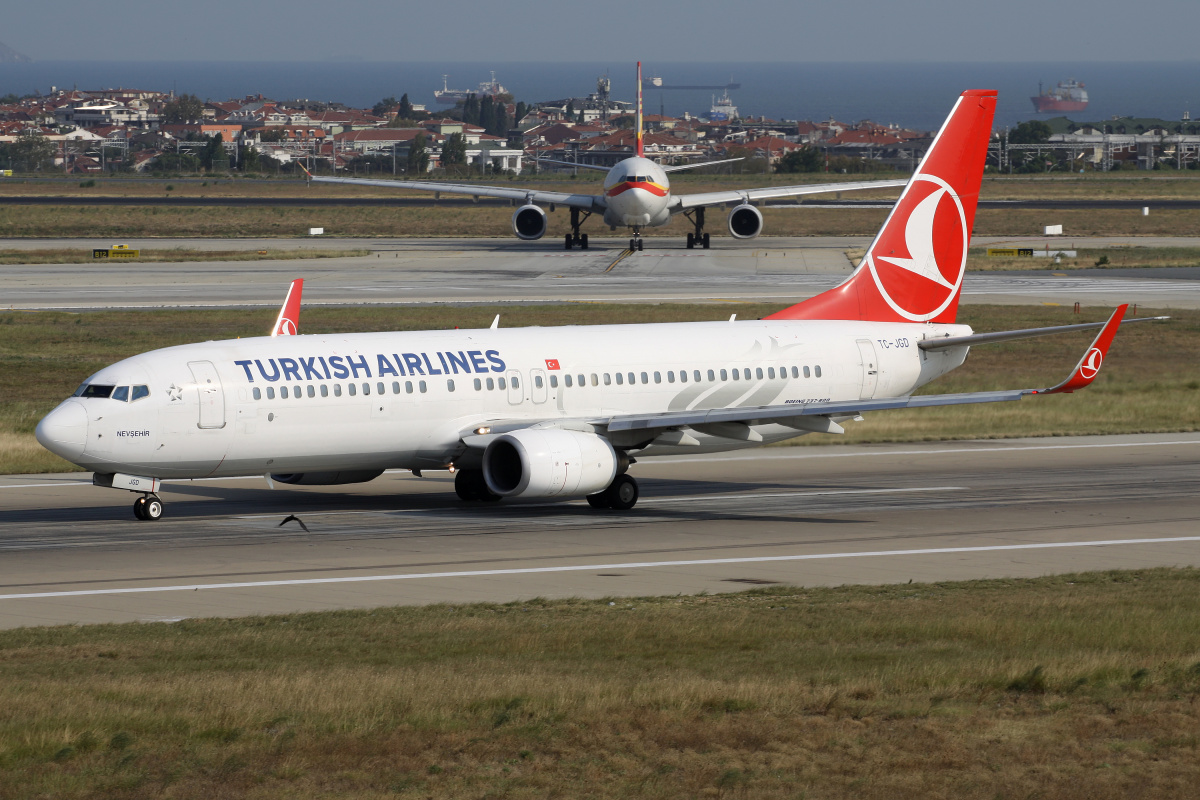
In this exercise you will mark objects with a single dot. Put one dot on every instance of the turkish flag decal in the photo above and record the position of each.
(552, 363)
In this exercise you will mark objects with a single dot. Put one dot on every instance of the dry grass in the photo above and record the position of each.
(1151, 381)
(1083, 686)
(1131, 257)
(179, 254)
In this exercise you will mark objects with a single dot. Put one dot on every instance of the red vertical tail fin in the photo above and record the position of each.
(288, 321)
(913, 271)
(638, 121)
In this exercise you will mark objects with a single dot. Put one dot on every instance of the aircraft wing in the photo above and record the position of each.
(686, 201)
(591, 202)
(638, 430)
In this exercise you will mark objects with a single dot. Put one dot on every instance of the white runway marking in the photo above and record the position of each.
(589, 567)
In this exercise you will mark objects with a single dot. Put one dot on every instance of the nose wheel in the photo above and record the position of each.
(148, 507)
(635, 244)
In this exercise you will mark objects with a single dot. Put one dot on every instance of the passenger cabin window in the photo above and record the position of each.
(771, 373)
(139, 392)
(553, 381)
(632, 379)
(312, 391)
(379, 387)
(337, 390)
(324, 391)
(501, 383)
(408, 387)
(351, 390)
(96, 390)
(567, 381)
(516, 383)
(283, 392)
(537, 381)
(607, 379)
(296, 392)
(594, 381)
(736, 376)
(620, 379)
(478, 385)
(817, 370)
(807, 373)
(581, 381)
(257, 393)
(421, 386)
(724, 375)
(270, 392)
(670, 375)
(366, 388)
(758, 373)
(395, 387)
(450, 384)
(711, 375)
(491, 384)
(121, 393)
(645, 378)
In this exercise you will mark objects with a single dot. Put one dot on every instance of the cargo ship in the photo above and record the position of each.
(723, 109)
(1067, 96)
(451, 96)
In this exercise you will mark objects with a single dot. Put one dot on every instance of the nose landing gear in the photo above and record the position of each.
(636, 244)
(148, 507)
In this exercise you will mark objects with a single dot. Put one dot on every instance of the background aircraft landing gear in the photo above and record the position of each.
(575, 238)
(470, 487)
(699, 237)
(621, 495)
(148, 507)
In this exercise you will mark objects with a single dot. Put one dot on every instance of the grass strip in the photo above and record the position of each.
(1151, 381)
(179, 254)
(1078, 686)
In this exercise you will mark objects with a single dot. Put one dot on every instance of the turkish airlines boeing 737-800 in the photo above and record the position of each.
(560, 412)
(636, 195)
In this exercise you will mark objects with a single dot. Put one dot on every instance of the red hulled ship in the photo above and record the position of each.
(1067, 96)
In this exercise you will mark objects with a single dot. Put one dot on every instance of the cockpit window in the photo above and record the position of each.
(121, 393)
(94, 390)
(139, 392)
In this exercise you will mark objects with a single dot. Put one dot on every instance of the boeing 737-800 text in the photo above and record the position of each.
(637, 195)
(537, 413)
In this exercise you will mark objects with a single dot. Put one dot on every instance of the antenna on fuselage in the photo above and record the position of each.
(638, 115)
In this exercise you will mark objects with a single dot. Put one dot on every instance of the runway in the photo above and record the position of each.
(72, 553)
(407, 271)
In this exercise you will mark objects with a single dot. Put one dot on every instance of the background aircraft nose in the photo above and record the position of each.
(64, 430)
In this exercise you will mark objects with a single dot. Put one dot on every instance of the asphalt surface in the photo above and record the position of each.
(72, 553)
(406, 271)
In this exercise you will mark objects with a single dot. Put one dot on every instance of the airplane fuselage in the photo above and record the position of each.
(638, 194)
(405, 400)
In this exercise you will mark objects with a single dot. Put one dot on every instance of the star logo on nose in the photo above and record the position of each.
(175, 392)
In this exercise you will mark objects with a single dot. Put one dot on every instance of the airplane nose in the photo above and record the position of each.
(64, 430)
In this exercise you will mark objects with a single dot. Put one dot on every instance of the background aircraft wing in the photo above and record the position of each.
(586, 201)
(686, 201)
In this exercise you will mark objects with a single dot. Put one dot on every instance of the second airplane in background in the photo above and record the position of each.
(637, 195)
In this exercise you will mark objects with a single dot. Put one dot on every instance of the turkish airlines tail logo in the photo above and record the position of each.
(288, 321)
(913, 271)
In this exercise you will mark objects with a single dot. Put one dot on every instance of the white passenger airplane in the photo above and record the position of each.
(537, 413)
(637, 194)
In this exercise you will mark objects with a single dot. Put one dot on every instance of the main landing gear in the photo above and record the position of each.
(575, 238)
(470, 487)
(699, 237)
(621, 495)
(148, 507)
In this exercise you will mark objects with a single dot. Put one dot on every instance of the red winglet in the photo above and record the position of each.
(1089, 366)
(288, 321)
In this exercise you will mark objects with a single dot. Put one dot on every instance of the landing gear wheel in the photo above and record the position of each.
(470, 486)
(622, 493)
(599, 500)
(567, 242)
(633, 245)
(707, 238)
(583, 241)
(148, 507)
(691, 241)
(641, 245)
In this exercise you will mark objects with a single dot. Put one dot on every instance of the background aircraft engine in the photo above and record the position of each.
(548, 463)
(327, 478)
(745, 222)
(529, 222)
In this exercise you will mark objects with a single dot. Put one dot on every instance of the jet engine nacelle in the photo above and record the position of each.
(745, 222)
(549, 462)
(327, 478)
(529, 222)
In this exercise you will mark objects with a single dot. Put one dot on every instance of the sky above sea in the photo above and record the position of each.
(908, 95)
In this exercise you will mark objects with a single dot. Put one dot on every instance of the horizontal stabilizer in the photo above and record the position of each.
(1027, 333)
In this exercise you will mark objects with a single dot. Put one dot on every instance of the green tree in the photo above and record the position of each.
(806, 159)
(454, 151)
(521, 111)
(1033, 132)
(184, 108)
(418, 156)
(470, 110)
(487, 113)
(32, 151)
(405, 111)
(250, 160)
(215, 158)
(570, 115)
(176, 162)
(385, 105)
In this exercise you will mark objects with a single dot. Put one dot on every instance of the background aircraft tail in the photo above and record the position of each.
(638, 116)
(913, 271)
